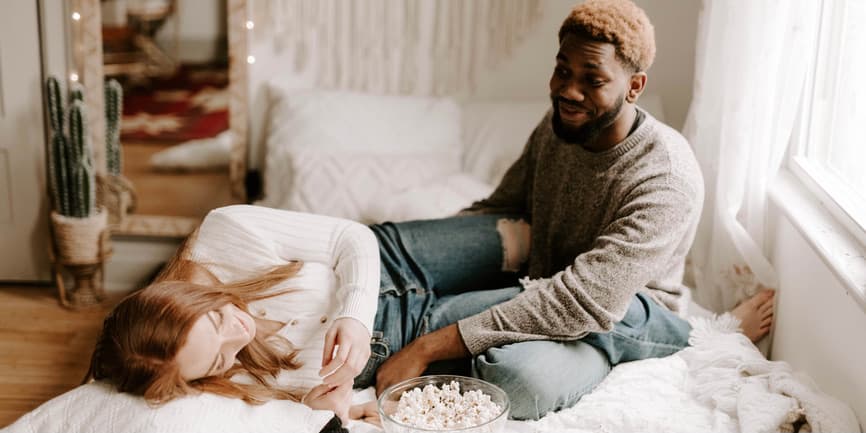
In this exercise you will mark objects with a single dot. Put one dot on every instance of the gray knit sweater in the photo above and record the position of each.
(604, 226)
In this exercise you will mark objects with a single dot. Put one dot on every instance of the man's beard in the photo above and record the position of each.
(589, 131)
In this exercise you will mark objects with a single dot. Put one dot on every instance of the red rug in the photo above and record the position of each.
(190, 105)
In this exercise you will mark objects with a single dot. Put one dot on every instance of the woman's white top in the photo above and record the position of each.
(339, 278)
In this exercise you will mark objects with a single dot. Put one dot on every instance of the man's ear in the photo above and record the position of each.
(636, 84)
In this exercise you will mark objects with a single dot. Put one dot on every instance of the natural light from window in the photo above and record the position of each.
(835, 151)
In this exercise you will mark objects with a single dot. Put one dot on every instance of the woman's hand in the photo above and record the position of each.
(367, 412)
(336, 399)
(352, 340)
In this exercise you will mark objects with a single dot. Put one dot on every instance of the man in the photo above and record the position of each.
(613, 197)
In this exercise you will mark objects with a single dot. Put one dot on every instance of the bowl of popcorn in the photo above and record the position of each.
(443, 403)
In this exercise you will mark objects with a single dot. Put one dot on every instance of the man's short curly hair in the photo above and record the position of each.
(619, 22)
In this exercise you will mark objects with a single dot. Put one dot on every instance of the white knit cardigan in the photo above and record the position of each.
(339, 278)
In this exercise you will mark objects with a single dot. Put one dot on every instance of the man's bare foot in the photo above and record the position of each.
(756, 314)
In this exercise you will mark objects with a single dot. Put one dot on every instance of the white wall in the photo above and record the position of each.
(526, 74)
(819, 328)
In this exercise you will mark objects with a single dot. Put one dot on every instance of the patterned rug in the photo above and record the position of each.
(190, 105)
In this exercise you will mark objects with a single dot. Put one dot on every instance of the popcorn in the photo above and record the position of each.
(445, 408)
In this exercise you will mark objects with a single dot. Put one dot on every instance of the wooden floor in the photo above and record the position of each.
(44, 348)
(187, 194)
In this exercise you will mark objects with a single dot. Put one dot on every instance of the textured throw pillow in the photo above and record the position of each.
(345, 184)
(494, 134)
(334, 152)
(441, 198)
(352, 121)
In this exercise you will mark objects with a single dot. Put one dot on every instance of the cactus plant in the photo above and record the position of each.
(83, 191)
(70, 156)
(57, 174)
(113, 110)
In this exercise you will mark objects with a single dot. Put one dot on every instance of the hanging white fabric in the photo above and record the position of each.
(418, 47)
(750, 70)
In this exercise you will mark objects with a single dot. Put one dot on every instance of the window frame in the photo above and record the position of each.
(838, 198)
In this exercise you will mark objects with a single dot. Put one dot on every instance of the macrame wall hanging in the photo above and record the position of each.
(420, 47)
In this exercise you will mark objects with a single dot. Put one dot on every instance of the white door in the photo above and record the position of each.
(23, 200)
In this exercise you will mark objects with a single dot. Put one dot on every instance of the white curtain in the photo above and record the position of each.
(418, 47)
(751, 63)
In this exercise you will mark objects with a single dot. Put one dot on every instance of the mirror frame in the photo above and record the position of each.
(85, 46)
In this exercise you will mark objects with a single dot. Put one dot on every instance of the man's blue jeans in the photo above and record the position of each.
(437, 272)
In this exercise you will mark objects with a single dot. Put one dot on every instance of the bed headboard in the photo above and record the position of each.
(408, 47)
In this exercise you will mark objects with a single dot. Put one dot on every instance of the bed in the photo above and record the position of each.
(721, 383)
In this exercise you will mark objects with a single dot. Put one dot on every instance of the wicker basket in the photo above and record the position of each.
(80, 246)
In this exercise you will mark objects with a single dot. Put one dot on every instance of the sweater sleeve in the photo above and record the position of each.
(515, 189)
(241, 240)
(594, 293)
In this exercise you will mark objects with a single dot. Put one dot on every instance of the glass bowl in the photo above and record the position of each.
(391, 396)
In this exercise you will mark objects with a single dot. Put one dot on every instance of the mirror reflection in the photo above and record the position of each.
(171, 57)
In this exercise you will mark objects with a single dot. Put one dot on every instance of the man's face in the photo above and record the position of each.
(588, 88)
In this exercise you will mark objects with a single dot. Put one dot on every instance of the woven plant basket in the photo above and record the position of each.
(117, 195)
(81, 246)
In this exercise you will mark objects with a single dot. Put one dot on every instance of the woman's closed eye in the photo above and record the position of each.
(217, 319)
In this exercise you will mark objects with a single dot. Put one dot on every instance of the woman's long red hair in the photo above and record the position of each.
(141, 336)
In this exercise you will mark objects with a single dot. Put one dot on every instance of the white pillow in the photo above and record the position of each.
(351, 121)
(345, 184)
(439, 199)
(98, 408)
(333, 152)
(494, 134)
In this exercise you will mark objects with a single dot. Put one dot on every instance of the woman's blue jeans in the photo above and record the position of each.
(437, 272)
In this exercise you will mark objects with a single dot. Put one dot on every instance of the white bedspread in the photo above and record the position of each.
(642, 396)
(719, 384)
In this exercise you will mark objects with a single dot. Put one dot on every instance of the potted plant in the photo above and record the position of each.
(80, 228)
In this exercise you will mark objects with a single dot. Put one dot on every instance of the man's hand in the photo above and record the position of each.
(405, 364)
(410, 362)
(353, 342)
(336, 399)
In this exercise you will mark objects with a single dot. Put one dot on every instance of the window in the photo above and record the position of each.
(831, 155)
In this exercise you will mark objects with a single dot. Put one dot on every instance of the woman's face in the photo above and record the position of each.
(214, 341)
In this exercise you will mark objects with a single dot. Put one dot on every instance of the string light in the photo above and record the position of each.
(76, 16)
(73, 77)
(251, 59)
(250, 25)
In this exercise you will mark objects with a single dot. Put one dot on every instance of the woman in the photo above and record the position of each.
(263, 304)
(259, 295)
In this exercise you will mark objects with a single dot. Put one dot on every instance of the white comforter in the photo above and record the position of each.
(719, 384)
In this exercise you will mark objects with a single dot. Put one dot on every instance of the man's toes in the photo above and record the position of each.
(765, 295)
